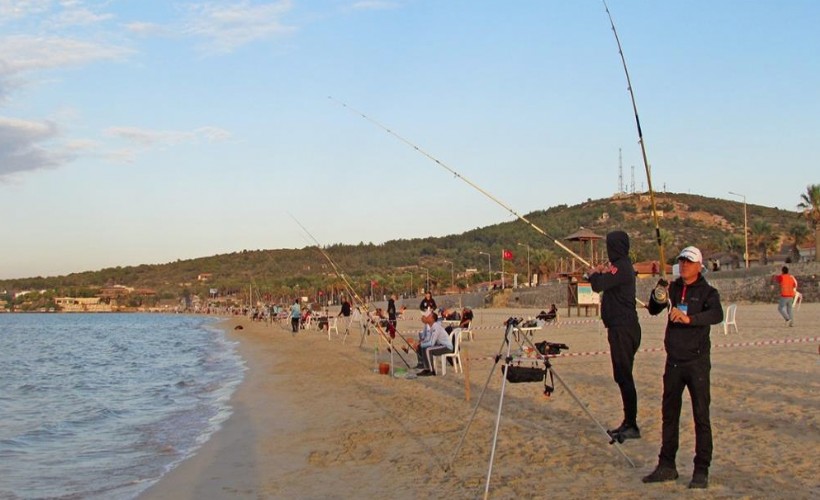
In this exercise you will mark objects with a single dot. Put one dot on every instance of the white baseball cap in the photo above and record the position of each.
(692, 254)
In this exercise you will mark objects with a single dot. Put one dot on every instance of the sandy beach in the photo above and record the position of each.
(312, 419)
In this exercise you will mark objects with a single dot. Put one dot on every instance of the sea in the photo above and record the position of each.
(101, 406)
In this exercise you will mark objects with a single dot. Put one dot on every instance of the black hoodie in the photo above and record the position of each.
(617, 284)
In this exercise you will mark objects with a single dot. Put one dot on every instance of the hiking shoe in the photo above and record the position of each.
(631, 432)
(618, 429)
(426, 373)
(700, 480)
(660, 474)
(791, 322)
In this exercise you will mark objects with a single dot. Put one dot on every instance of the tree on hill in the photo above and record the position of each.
(810, 205)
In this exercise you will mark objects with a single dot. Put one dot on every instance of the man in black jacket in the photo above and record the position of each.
(617, 282)
(694, 306)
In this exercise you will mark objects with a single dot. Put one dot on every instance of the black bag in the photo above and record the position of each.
(518, 374)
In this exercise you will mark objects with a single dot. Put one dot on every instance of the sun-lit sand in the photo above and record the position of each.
(312, 418)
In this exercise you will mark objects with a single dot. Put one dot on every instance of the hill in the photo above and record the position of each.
(404, 266)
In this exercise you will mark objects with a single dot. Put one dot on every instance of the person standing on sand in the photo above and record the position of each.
(618, 311)
(694, 305)
(392, 316)
(428, 303)
(788, 287)
(295, 316)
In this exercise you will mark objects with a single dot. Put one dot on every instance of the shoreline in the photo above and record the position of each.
(312, 420)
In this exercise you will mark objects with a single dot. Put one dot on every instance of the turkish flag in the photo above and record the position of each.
(507, 255)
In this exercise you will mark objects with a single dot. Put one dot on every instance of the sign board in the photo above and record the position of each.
(586, 295)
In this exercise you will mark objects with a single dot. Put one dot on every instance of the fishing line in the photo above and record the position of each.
(643, 146)
(360, 303)
(459, 176)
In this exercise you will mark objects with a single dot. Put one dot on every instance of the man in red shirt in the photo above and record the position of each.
(788, 287)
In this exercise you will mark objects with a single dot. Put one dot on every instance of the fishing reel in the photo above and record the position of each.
(660, 294)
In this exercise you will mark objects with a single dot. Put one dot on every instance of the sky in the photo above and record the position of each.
(147, 131)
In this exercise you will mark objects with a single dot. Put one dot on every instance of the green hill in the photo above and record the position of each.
(714, 225)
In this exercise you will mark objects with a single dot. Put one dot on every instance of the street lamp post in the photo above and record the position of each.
(489, 268)
(427, 271)
(452, 273)
(529, 274)
(745, 228)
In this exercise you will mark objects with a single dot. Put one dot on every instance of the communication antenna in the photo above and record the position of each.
(632, 182)
(620, 173)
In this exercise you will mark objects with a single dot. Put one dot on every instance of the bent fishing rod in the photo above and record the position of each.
(643, 146)
(360, 303)
(459, 176)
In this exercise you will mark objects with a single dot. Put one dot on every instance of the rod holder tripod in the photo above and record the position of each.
(549, 370)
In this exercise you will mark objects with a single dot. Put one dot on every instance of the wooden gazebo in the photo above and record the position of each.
(586, 239)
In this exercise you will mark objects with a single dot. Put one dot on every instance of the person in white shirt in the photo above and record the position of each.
(437, 343)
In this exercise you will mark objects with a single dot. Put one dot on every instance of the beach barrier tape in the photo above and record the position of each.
(553, 324)
(756, 343)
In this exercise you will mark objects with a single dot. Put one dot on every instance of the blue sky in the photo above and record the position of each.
(148, 131)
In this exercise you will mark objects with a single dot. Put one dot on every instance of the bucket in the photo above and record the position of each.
(384, 368)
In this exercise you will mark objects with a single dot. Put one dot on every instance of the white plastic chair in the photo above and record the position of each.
(332, 325)
(467, 332)
(798, 299)
(455, 338)
(729, 319)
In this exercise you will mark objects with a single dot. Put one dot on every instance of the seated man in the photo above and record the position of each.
(466, 318)
(436, 344)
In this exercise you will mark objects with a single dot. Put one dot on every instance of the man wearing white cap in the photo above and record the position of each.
(694, 305)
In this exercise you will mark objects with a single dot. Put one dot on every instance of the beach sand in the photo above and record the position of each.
(312, 419)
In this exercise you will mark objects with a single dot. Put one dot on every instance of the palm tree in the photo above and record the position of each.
(799, 234)
(763, 238)
(810, 205)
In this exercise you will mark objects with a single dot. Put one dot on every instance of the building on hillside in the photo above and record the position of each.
(84, 304)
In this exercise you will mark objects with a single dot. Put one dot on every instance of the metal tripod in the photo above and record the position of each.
(510, 328)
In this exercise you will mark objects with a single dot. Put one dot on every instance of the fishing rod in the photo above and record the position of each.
(360, 304)
(643, 147)
(459, 176)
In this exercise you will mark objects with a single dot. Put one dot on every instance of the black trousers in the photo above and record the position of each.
(624, 342)
(294, 324)
(694, 376)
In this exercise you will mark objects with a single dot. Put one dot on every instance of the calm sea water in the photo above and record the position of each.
(102, 405)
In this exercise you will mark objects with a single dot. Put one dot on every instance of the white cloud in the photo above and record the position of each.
(29, 53)
(149, 138)
(24, 146)
(148, 29)
(227, 26)
(374, 5)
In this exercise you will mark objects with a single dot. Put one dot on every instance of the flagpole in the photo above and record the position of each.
(502, 268)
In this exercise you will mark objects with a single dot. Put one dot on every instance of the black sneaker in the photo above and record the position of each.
(630, 432)
(426, 373)
(618, 429)
(660, 474)
(700, 480)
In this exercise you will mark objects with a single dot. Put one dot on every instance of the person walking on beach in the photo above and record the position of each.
(295, 316)
(694, 305)
(616, 280)
(788, 287)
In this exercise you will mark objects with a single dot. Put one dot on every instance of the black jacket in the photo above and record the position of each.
(618, 284)
(689, 342)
